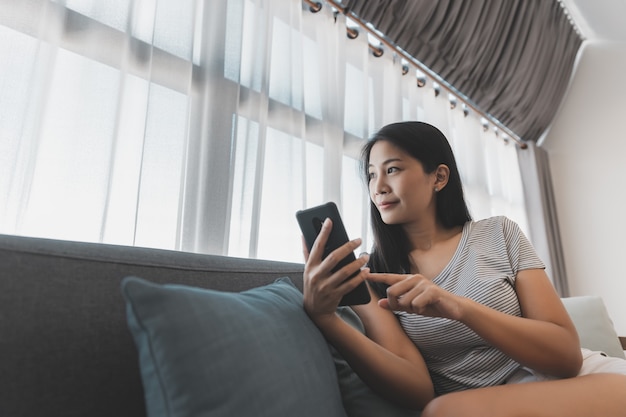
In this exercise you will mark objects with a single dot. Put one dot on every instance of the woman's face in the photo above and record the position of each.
(398, 185)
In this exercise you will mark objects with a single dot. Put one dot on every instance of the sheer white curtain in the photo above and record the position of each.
(95, 107)
(203, 126)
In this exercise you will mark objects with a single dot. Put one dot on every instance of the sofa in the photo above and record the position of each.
(94, 330)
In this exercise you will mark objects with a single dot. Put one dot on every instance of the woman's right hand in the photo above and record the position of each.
(418, 295)
(323, 289)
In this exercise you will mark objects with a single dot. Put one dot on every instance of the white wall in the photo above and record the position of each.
(587, 152)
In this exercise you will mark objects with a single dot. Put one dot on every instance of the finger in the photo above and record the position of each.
(389, 279)
(345, 273)
(384, 303)
(341, 253)
(410, 295)
(393, 301)
(401, 297)
(401, 294)
(349, 284)
(317, 250)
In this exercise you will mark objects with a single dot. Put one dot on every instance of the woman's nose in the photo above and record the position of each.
(379, 187)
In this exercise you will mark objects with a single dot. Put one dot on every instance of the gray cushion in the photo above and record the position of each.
(254, 353)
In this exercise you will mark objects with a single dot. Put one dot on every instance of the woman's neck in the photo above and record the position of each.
(423, 237)
(432, 248)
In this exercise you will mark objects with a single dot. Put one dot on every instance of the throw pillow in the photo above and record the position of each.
(358, 399)
(254, 353)
(595, 328)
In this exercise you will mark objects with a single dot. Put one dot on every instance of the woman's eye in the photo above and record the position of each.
(391, 170)
(370, 175)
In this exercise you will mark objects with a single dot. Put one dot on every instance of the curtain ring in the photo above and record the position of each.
(376, 51)
(314, 6)
(352, 33)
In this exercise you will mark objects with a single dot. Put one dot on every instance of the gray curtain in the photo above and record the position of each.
(512, 59)
(542, 217)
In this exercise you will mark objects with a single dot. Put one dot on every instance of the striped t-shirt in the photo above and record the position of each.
(483, 268)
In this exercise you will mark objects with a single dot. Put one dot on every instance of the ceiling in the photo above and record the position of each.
(599, 20)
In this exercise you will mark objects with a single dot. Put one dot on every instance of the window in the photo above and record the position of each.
(201, 126)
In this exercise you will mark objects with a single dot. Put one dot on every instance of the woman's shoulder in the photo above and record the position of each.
(494, 222)
(494, 226)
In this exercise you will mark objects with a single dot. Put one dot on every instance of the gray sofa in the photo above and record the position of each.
(65, 345)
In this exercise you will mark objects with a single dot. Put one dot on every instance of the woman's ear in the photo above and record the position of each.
(442, 174)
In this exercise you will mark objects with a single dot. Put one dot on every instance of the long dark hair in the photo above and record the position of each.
(428, 145)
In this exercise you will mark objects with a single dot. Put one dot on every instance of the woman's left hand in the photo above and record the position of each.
(323, 286)
(419, 295)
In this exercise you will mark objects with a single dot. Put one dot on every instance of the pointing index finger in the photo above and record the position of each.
(388, 279)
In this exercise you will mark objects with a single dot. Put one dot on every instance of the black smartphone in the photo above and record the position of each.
(310, 221)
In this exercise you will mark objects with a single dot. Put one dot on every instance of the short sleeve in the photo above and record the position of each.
(522, 254)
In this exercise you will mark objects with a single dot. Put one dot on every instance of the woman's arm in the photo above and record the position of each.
(394, 368)
(544, 338)
(388, 363)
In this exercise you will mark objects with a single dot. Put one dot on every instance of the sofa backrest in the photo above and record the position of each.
(65, 348)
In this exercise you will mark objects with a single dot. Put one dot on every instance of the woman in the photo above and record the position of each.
(461, 311)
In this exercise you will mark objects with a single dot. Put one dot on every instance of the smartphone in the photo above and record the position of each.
(310, 221)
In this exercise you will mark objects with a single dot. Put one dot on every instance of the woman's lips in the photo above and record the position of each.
(386, 205)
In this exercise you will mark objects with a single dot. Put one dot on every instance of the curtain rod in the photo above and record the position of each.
(315, 6)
